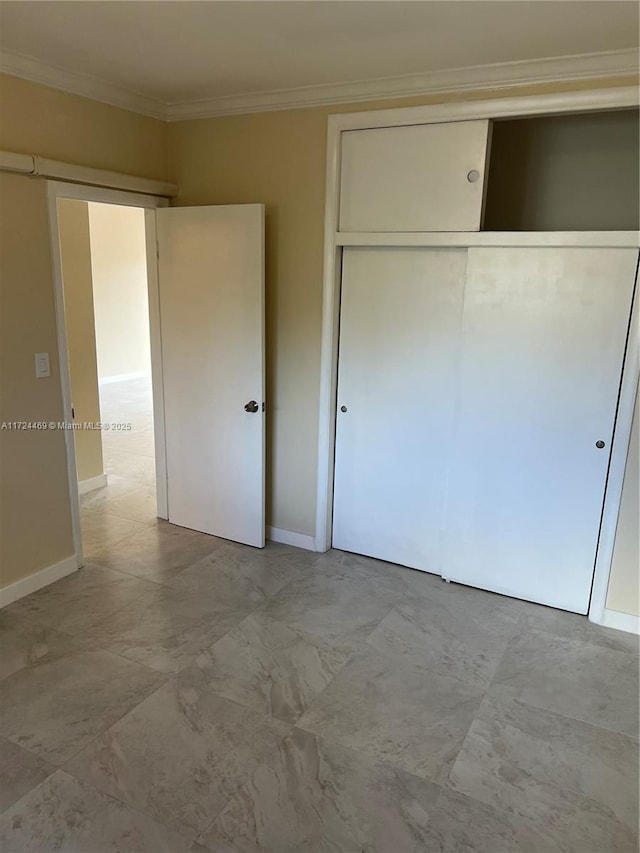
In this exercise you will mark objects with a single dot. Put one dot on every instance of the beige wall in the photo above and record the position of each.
(38, 120)
(75, 249)
(118, 257)
(35, 520)
(624, 582)
(279, 159)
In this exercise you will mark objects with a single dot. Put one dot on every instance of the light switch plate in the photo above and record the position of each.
(42, 365)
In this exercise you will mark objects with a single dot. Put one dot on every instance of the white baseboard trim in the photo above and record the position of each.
(92, 483)
(619, 621)
(15, 591)
(123, 377)
(288, 537)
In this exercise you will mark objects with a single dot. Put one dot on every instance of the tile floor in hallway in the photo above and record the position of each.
(182, 693)
(127, 505)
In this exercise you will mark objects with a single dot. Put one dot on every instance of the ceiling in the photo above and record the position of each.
(172, 58)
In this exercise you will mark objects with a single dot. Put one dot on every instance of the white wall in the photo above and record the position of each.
(118, 259)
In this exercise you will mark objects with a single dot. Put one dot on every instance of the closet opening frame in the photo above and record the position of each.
(510, 106)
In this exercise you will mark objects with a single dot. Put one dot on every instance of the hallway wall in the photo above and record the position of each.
(75, 250)
(119, 264)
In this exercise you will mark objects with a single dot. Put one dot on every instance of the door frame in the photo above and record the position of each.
(596, 100)
(84, 192)
(598, 611)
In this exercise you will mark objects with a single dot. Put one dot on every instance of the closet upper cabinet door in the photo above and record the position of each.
(427, 177)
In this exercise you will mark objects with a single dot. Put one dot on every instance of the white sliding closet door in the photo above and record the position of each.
(543, 339)
(399, 337)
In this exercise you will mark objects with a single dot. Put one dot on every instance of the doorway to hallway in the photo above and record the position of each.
(103, 253)
(205, 266)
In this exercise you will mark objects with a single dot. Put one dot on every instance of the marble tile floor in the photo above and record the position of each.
(127, 504)
(184, 694)
(181, 693)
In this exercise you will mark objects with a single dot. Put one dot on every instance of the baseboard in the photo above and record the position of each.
(15, 591)
(620, 621)
(123, 377)
(92, 483)
(288, 537)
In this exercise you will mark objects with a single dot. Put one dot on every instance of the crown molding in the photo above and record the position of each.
(500, 75)
(563, 69)
(75, 83)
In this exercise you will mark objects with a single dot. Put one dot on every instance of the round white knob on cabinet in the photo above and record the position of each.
(473, 176)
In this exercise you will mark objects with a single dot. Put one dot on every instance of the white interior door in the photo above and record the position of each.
(211, 282)
(543, 339)
(399, 331)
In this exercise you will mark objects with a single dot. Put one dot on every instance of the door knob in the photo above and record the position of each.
(599, 444)
(251, 406)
